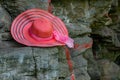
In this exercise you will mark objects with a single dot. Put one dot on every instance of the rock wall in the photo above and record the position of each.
(106, 34)
(82, 18)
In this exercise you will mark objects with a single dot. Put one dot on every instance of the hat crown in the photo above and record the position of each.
(41, 28)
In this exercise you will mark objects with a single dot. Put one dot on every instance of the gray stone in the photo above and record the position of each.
(105, 32)
(106, 29)
(81, 12)
(115, 39)
(78, 29)
(5, 20)
(28, 63)
(8, 44)
(16, 77)
(51, 63)
(109, 70)
(80, 68)
(16, 62)
(98, 8)
(48, 75)
(46, 57)
(64, 73)
(92, 67)
(15, 7)
(108, 35)
(5, 36)
(83, 44)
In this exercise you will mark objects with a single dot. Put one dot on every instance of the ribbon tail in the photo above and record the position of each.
(64, 39)
(70, 65)
(72, 77)
(70, 42)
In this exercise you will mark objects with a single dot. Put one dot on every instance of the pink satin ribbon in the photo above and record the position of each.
(64, 39)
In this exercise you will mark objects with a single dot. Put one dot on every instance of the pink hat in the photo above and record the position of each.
(36, 27)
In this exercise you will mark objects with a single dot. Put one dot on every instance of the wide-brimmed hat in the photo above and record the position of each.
(36, 27)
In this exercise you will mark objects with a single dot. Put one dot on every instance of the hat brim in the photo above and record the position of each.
(23, 22)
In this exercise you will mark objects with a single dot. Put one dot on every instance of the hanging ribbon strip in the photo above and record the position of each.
(77, 47)
(69, 63)
(50, 6)
(83, 46)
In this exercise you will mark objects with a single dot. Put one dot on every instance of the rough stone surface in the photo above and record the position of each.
(110, 71)
(78, 30)
(80, 68)
(8, 44)
(106, 33)
(16, 63)
(5, 36)
(15, 7)
(28, 63)
(92, 68)
(5, 20)
(47, 64)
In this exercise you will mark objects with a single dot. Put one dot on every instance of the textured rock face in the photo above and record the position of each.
(15, 7)
(110, 71)
(5, 20)
(18, 62)
(106, 34)
(27, 63)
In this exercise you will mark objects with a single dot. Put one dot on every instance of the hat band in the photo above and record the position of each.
(38, 38)
(59, 37)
